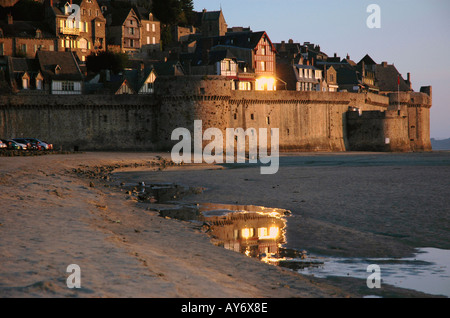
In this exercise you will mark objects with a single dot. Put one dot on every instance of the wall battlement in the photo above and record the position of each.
(307, 121)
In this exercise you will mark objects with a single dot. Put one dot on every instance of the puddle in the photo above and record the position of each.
(427, 271)
(260, 232)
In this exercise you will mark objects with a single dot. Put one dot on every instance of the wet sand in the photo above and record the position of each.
(53, 216)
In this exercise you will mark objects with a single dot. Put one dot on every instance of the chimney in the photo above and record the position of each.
(335, 54)
(10, 19)
(291, 41)
(384, 64)
(409, 80)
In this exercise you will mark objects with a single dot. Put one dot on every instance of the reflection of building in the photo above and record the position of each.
(250, 233)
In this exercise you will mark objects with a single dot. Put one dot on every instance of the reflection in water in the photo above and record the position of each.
(260, 232)
(252, 230)
(255, 231)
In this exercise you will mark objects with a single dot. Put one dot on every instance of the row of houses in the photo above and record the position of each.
(83, 27)
(53, 60)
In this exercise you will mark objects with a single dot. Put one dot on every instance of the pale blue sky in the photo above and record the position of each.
(414, 36)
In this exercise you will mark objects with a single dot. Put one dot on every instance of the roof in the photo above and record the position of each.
(118, 16)
(387, 78)
(25, 29)
(69, 70)
(367, 60)
(211, 15)
(346, 76)
(246, 40)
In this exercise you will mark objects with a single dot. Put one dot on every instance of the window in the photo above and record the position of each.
(268, 120)
(148, 27)
(153, 40)
(252, 116)
(2, 49)
(25, 83)
(263, 50)
(67, 86)
(153, 27)
(148, 40)
(263, 66)
(39, 84)
(131, 31)
(23, 48)
(131, 43)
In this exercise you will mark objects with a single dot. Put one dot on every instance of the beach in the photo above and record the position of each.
(67, 209)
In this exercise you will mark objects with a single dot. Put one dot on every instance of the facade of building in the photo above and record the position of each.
(81, 31)
(25, 38)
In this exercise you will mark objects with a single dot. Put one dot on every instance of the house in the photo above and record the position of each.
(25, 38)
(47, 73)
(309, 78)
(25, 75)
(61, 72)
(213, 23)
(129, 31)
(330, 77)
(388, 79)
(83, 32)
(218, 62)
(253, 52)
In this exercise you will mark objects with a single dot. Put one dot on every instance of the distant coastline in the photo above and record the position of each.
(440, 144)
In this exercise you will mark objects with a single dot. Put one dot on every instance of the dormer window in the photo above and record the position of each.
(67, 9)
(25, 81)
(38, 34)
(57, 69)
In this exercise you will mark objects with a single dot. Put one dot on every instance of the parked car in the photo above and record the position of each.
(3, 144)
(15, 145)
(25, 144)
(50, 146)
(41, 145)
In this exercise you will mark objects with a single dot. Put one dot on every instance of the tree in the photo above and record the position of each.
(167, 11)
(187, 8)
(107, 61)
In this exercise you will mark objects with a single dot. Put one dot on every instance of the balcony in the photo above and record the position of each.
(69, 31)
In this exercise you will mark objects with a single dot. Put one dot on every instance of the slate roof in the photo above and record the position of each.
(386, 78)
(66, 61)
(25, 29)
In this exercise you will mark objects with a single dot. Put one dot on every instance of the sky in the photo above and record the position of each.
(414, 35)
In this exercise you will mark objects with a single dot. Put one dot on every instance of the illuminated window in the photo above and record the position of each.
(247, 233)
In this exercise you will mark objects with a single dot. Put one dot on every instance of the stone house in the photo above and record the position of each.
(48, 73)
(25, 38)
(132, 33)
(61, 72)
(253, 53)
(82, 31)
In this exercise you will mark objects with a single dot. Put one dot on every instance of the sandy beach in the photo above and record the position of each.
(59, 210)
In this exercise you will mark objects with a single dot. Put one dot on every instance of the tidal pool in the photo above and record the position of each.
(260, 232)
